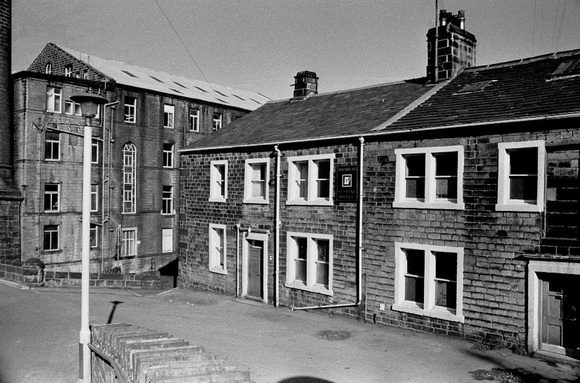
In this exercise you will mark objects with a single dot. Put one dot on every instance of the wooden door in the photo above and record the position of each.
(255, 269)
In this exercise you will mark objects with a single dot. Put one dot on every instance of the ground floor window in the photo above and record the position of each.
(309, 262)
(129, 242)
(429, 280)
(50, 237)
(217, 248)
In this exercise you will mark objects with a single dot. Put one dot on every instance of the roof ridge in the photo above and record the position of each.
(525, 60)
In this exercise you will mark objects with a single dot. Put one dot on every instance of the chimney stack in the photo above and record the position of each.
(449, 47)
(305, 83)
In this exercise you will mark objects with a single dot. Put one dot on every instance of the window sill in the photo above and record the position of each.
(218, 270)
(436, 312)
(215, 199)
(319, 289)
(429, 205)
(519, 206)
(256, 201)
(309, 203)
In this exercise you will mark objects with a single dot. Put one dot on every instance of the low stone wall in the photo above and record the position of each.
(29, 275)
(141, 355)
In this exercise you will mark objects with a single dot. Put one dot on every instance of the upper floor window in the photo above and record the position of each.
(429, 280)
(217, 248)
(54, 99)
(52, 146)
(167, 200)
(51, 197)
(72, 108)
(429, 178)
(130, 109)
(309, 263)
(310, 179)
(168, 155)
(95, 153)
(50, 237)
(48, 68)
(129, 181)
(68, 71)
(218, 181)
(521, 174)
(194, 120)
(256, 180)
(217, 121)
(168, 116)
(94, 198)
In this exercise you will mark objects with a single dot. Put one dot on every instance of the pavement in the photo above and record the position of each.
(39, 331)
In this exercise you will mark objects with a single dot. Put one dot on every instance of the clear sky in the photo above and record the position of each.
(261, 45)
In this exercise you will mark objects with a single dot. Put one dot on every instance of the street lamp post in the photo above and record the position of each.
(89, 106)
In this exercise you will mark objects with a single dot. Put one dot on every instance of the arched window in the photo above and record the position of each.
(129, 181)
(48, 68)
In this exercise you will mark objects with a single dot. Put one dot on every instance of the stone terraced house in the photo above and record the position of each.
(135, 169)
(447, 207)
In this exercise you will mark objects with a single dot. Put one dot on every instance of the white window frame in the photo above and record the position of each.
(312, 181)
(431, 201)
(311, 260)
(167, 206)
(68, 70)
(94, 237)
(428, 308)
(48, 68)
(168, 116)
(216, 194)
(167, 240)
(217, 121)
(504, 203)
(194, 120)
(52, 195)
(130, 110)
(248, 181)
(128, 243)
(72, 108)
(53, 247)
(218, 248)
(94, 197)
(54, 146)
(168, 155)
(54, 99)
(129, 179)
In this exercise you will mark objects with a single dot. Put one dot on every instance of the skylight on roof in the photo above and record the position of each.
(183, 86)
(128, 73)
(156, 79)
(567, 68)
(218, 92)
(175, 90)
(257, 102)
(235, 95)
(220, 100)
(203, 90)
(475, 87)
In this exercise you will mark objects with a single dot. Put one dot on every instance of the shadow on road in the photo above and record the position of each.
(304, 379)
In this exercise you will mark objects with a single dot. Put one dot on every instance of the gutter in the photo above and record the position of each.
(359, 247)
(390, 132)
(277, 229)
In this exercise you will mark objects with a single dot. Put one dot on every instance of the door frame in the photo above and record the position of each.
(534, 341)
(251, 236)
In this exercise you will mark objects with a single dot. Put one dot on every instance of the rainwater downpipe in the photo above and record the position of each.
(359, 248)
(277, 229)
(106, 176)
(238, 228)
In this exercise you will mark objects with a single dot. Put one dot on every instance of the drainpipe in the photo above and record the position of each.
(105, 176)
(359, 248)
(277, 230)
(238, 225)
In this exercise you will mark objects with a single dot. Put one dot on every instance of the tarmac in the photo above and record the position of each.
(40, 327)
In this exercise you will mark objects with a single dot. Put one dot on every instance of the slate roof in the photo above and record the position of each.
(179, 86)
(526, 89)
(344, 113)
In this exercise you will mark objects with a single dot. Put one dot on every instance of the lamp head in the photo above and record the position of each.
(89, 103)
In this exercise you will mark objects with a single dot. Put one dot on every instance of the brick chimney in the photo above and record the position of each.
(455, 47)
(305, 83)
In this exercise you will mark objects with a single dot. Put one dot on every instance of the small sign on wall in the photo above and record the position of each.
(346, 183)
